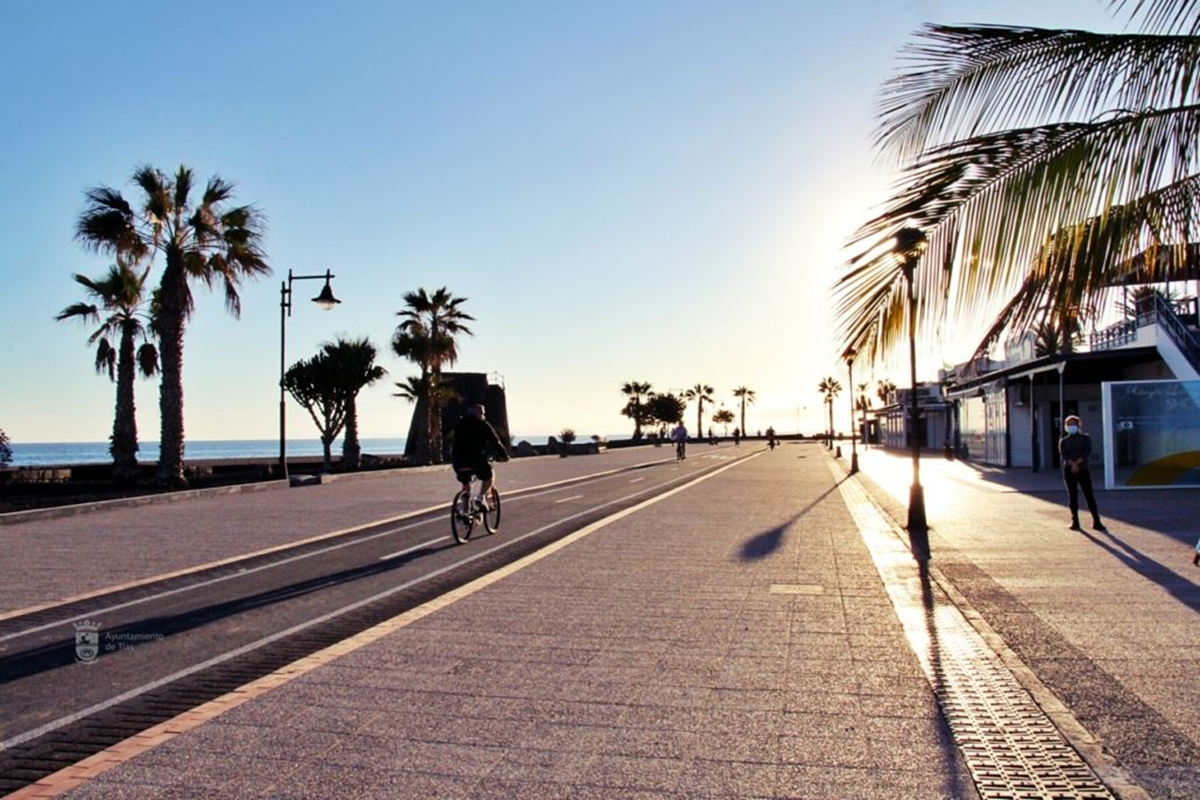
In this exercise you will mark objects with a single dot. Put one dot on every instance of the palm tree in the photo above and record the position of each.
(702, 393)
(723, 417)
(316, 384)
(354, 361)
(1039, 163)
(863, 404)
(635, 390)
(884, 389)
(427, 335)
(119, 307)
(830, 387)
(204, 239)
(747, 396)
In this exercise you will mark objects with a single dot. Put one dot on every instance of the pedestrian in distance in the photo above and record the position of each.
(1075, 448)
(737, 436)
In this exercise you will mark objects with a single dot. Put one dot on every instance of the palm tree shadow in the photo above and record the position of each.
(767, 542)
(1179, 587)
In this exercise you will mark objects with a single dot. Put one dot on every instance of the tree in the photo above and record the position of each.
(702, 393)
(863, 404)
(634, 407)
(204, 239)
(426, 336)
(568, 436)
(747, 396)
(317, 385)
(667, 409)
(1039, 163)
(723, 417)
(354, 362)
(119, 308)
(830, 388)
(883, 390)
(6, 453)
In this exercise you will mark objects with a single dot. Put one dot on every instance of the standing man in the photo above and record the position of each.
(1075, 449)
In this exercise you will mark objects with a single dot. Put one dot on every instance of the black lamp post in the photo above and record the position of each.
(849, 356)
(325, 301)
(910, 242)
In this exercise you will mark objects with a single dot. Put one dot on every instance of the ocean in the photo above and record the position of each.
(42, 454)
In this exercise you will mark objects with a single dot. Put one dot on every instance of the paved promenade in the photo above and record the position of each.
(744, 636)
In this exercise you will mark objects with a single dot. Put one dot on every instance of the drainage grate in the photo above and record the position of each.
(1009, 744)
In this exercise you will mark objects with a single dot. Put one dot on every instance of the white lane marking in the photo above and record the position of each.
(414, 548)
(635, 480)
(566, 499)
(247, 648)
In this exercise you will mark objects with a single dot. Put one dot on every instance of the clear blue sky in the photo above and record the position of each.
(624, 190)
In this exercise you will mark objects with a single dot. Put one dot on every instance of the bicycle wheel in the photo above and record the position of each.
(461, 521)
(491, 517)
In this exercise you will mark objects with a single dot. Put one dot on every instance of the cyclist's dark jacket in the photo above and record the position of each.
(473, 438)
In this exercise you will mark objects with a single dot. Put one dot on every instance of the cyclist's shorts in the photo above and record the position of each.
(480, 469)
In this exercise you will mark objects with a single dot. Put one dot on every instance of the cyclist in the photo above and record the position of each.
(771, 437)
(680, 437)
(474, 439)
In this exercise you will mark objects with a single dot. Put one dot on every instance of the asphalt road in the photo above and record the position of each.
(228, 621)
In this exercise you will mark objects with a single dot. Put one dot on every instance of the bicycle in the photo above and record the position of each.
(680, 450)
(466, 512)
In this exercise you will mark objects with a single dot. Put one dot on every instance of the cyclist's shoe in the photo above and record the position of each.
(482, 503)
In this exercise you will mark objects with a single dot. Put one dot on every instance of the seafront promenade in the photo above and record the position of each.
(756, 628)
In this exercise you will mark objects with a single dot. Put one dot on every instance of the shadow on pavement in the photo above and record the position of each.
(767, 542)
(1178, 586)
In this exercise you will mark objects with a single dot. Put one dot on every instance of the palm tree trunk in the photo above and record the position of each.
(351, 452)
(699, 418)
(743, 416)
(172, 311)
(124, 445)
(327, 445)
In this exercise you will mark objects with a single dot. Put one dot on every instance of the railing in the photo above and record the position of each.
(1118, 335)
(1180, 334)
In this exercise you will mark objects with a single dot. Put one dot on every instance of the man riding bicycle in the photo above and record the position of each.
(680, 437)
(474, 440)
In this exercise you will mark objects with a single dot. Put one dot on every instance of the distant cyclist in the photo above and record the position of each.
(474, 440)
(771, 437)
(680, 437)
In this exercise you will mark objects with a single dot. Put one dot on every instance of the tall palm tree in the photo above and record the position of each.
(635, 390)
(120, 308)
(747, 396)
(830, 387)
(202, 239)
(1039, 163)
(354, 361)
(702, 393)
(427, 335)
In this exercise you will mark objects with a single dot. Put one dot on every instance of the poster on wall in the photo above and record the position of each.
(1152, 434)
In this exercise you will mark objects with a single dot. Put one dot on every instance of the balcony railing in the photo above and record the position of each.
(1118, 335)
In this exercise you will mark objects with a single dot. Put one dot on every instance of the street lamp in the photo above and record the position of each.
(910, 243)
(325, 301)
(849, 356)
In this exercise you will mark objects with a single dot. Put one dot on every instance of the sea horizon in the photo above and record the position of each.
(51, 454)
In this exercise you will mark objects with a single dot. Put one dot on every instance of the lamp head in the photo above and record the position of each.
(325, 300)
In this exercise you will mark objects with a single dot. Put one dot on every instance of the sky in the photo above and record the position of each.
(656, 191)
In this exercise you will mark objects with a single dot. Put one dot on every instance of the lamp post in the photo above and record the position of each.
(910, 242)
(849, 356)
(325, 301)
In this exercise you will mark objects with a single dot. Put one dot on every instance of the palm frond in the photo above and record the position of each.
(964, 80)
(1165, 16)
(157, 188)
(183, 188)
(147, 358)
(106, 359)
